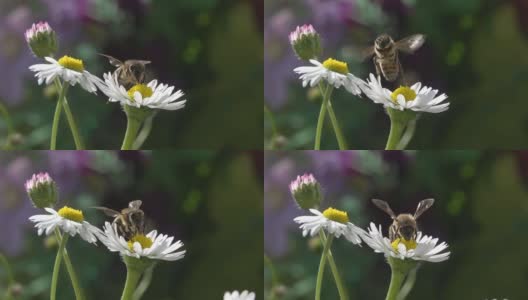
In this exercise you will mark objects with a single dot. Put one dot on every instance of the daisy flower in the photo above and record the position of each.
(152, 245)
(68, 220)
(333, 71)
(331, 220)
(151, 95)
(416, 98)
(70, 69)
(423, 248)
(235, 295)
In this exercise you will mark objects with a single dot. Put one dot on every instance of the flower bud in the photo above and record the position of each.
(306, 42)
(42, 190)
(42, 40)
(306, 191)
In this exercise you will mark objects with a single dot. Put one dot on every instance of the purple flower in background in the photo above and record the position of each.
(279, 207)
(65, 16)
(67, 10)
(67, 167)
(333, 168)
(279, 59)
(331, 18)
(15, 207)
(14, 55)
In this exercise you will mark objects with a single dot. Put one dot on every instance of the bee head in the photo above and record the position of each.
(407, 232)
(406, 226)
(138, 71)
(383, 41)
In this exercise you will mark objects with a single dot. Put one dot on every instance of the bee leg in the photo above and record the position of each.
(401, 74)
(378, 69)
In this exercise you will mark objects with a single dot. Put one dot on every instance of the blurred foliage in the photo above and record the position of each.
(209, 200)
(481, 211)
(210, 49)
(474, 53)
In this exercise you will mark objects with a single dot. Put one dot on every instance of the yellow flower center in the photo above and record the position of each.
(71, 214)
(336, 66)
(144, 90)
(71, 63)
(411, 244)
(336, 215)
(408, 93)
(143, 240)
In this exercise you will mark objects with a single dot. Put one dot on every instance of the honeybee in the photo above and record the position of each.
(129, 221)
(130, 72)
(385, 52)
(404, 225)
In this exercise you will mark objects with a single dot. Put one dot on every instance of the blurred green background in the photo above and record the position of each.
(209, 200)
(475, 52)
(481, 211)
(211, 49)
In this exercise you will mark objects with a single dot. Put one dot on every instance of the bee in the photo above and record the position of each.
(129, 221)
(404, 225)
(385, 52)
(130, 72)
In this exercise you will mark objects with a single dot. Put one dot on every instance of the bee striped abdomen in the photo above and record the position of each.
(390, 66)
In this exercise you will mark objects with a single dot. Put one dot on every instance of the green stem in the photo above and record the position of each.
(79, 145)
(71, 271)
(320, 120)
(10, 277)
(131, 283)
(144, 133)
(343, 295)
(408, 135)
(397, 278)
(337, 130)
(274, 278)
(322, 267)
(7, 118)
(408, 285)
(56, 268)
(395, 134)
(56, 117)
(144, 283)
(269, 114)
(131, 133)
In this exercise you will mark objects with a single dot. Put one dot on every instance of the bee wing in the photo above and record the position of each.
(109, 212)
(141, 62)
(135, 204)
(423, 206)
(384, 206)
(410, 43)
(367, 52)
(113, 61)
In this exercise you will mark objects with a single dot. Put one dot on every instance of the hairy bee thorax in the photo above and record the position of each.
(130, 221)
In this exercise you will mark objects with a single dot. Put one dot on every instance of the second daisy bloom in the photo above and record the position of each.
(153, 95)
